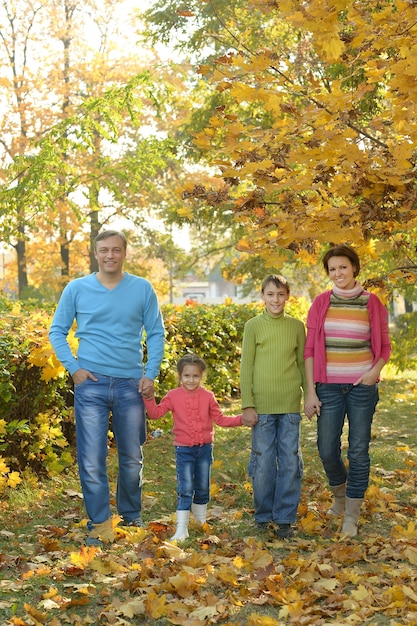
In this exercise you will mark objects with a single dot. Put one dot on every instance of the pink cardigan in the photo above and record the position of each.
(315, 343)
(194, 414)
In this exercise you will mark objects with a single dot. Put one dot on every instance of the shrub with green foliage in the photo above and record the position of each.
(404, 342)
(33, 411)
(212, 332)
(215, 333)
(36, 414)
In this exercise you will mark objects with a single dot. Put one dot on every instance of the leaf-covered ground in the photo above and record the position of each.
(227, 572)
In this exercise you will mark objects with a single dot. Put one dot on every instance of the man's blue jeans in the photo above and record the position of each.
(193, 475)
(358, 403)
(93, 403)
(276, 467)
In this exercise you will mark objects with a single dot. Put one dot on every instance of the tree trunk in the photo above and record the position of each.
(22, 276)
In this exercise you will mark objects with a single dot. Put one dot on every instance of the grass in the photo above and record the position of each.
(227, 572)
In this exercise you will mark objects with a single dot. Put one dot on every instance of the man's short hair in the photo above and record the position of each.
(105, 234)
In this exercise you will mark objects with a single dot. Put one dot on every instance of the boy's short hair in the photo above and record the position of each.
(278, 280)
(342, 250)
(191, 359)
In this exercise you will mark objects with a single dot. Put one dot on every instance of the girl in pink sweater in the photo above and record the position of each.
(195, 410)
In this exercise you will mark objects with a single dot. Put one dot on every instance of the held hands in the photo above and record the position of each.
(249, 417)
(312, 405)
(146, 388)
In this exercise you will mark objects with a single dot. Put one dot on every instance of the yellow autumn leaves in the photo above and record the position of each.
(322, 119)
(7, 478)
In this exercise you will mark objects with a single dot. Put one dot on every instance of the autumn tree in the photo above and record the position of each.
(78, 158)
(313, 133)
(213, 231)
(20, 35)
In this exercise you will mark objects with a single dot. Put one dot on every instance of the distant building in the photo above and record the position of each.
(401, 305)
(214, 290)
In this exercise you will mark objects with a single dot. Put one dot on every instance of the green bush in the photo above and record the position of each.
(36, 398)
(215, 333)
(212, 332)
(404, 342)
(33, 411)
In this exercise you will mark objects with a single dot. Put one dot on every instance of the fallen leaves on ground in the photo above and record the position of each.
(211, 578)
(228, 572)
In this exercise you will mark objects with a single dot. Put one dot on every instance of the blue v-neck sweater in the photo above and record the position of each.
(110, 326)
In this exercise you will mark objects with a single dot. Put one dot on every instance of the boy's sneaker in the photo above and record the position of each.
(263, 525)
(284, 530)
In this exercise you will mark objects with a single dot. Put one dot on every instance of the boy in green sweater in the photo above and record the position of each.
(271, 381)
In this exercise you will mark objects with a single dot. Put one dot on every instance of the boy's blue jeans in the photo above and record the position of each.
(276, 467)
(93, 403)
(358, 403)
(193, 475)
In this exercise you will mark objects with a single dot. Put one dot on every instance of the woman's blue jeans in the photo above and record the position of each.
(276, 467)
(358, 403)
(193, 475)
(93, 403)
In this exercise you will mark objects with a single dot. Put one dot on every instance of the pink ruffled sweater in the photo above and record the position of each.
(194, 414)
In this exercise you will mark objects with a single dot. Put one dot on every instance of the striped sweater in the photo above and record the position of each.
(347, 335)
(272, 365)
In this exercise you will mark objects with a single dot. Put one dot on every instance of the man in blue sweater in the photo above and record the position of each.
(112, 309)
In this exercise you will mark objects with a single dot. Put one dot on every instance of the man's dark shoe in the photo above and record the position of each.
(136, 523)
(93, 541)
(284, 531)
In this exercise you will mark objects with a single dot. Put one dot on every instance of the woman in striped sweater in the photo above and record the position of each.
(346, 348)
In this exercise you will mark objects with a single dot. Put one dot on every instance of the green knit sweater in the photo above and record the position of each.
(272, 366)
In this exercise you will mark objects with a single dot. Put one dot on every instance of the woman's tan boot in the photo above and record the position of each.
(339, 499)
(351, 519)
